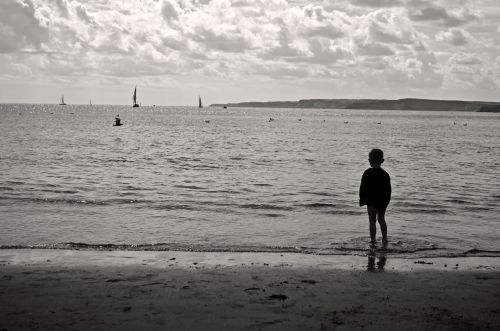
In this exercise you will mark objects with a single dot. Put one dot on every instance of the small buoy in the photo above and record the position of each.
(117, 121)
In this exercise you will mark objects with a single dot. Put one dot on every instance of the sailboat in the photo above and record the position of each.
(199, 102)
(62, 101)
(134, 98)
(90, 102)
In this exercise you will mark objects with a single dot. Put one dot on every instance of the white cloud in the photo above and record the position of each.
(473, 70)
(455, 37)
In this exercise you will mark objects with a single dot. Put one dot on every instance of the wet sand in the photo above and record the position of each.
(121, 290)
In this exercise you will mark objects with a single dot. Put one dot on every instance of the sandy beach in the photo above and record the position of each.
(127, 290)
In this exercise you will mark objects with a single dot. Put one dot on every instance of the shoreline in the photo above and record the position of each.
(130, 290)
(194, 259)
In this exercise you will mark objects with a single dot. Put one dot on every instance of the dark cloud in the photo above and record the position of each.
(445, 16)
(375, 49)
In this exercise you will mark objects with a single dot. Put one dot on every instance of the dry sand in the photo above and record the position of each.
(122, 290)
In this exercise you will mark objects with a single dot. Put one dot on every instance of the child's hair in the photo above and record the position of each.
(376, 156)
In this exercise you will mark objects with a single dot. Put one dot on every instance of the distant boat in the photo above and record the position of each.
(90, 102)
(62, 101)
(199, 102)
(134, 98)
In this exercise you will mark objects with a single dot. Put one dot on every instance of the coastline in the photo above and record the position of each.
(81, 289)
(375, 104)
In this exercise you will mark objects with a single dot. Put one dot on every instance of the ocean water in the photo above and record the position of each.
(214, 179)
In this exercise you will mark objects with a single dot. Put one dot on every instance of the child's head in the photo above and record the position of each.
(376, 157)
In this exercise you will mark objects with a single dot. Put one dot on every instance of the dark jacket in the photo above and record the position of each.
(375, 189)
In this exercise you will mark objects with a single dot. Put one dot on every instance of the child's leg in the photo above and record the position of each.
(372, 217)
(383, 225)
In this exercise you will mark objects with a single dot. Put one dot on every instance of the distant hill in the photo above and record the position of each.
(400, 104)
(495, 108)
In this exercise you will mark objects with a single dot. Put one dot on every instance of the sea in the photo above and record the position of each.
(246, 179)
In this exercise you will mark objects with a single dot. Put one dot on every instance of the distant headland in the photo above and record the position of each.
(380, 104)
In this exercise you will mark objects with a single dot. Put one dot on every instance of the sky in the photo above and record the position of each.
(247, 50)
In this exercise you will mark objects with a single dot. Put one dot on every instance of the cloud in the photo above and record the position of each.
(446, 16)
(472, 70)
(20, 27)
(393, 42)
(455, 37)
(375, 49)
(389, 26)
(170, 10)
(378, 3)
(465, 60)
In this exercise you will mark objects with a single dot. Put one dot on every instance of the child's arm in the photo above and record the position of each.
(389, 189)
(362, 190)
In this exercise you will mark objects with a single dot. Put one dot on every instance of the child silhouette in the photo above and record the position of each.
(375, 193)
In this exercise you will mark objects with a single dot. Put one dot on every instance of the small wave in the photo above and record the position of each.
(478, 208)
(458, 201)
(119, 161)
(223, 191)
(264, 206)
(319, 205)
(189, 159)
(172, 207)
(439, 211)
(56, 200)
(133, 188)
(77, 201)
(481, 252)
(396, 245)
(416, 205)
(273, 215)
(343, 212)
(11, 182)
(60, 191)
(157, 247)
(204, 167)
(326, 194)
(191, 187)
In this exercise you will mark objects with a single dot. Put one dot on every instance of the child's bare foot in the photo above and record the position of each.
(385, 242)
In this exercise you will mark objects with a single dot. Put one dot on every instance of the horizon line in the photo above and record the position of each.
(253, 101)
